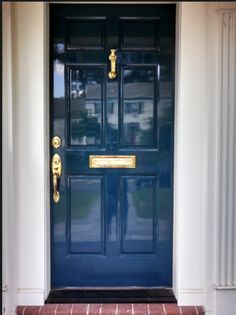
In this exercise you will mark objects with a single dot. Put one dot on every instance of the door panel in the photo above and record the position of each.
(138, 111)
(113, 226)
(138, 215)
(86, 214)
(146, 37)
(85, 33)
(86, 105)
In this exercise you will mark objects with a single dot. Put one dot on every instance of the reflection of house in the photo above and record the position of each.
(138, 104)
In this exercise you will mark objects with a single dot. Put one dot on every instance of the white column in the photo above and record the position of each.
(225, 229)
(190, 154)
(226, 224)
(30, 154)
(8, 186)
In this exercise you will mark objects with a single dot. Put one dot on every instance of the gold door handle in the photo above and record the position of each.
(56, 174)
(112, 58)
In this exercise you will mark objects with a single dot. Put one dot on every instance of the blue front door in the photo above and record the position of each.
(111, 215)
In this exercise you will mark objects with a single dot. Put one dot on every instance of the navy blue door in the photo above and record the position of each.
(112, 225)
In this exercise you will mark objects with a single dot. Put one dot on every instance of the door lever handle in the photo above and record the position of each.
(112, 58)
(56, 174)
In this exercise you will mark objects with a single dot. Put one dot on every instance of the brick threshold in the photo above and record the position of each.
(110, 309)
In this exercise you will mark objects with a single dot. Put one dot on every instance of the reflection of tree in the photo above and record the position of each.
(164, 197)
(147, 134)
(165, 136)
(85, 126)
(140, 75)
(143, 202)
(112, 133)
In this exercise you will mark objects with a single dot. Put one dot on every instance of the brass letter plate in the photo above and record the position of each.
(112, 161)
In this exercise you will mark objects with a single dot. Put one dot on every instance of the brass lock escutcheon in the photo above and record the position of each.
(56, 174)
(112, 58)
(56, 142)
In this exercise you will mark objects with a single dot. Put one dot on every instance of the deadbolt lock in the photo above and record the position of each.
(56, 142)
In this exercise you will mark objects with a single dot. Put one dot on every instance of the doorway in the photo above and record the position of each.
(112, 125)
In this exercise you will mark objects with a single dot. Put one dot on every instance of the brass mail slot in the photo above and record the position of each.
(112, 161)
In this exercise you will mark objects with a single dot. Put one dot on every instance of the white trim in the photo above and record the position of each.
(47, 240)
(216, 287)
(5, 288)
(226, 10)
(115, 2)
(191, 291)
(8, 182)
(190, 296)
(176, 143)
(225, 302)
(35, 296)
(30, 290)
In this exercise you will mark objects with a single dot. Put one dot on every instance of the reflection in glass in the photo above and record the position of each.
(165, 107)
(164, 211)
(85, 223)
(85, 106)
(138, 107)
(59, 48)
(58, 97)
(112, 114)
(59, 215)
(138, 214)
(58, 79)
(166, 35)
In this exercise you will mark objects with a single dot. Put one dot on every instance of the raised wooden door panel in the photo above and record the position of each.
(113, 226)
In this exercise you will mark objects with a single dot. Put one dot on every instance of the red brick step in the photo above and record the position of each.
(110, 309)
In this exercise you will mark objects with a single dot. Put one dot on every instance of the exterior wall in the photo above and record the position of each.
(198, 163)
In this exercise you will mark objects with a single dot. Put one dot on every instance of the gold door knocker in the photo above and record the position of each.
(56, 174)
(112, 58)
